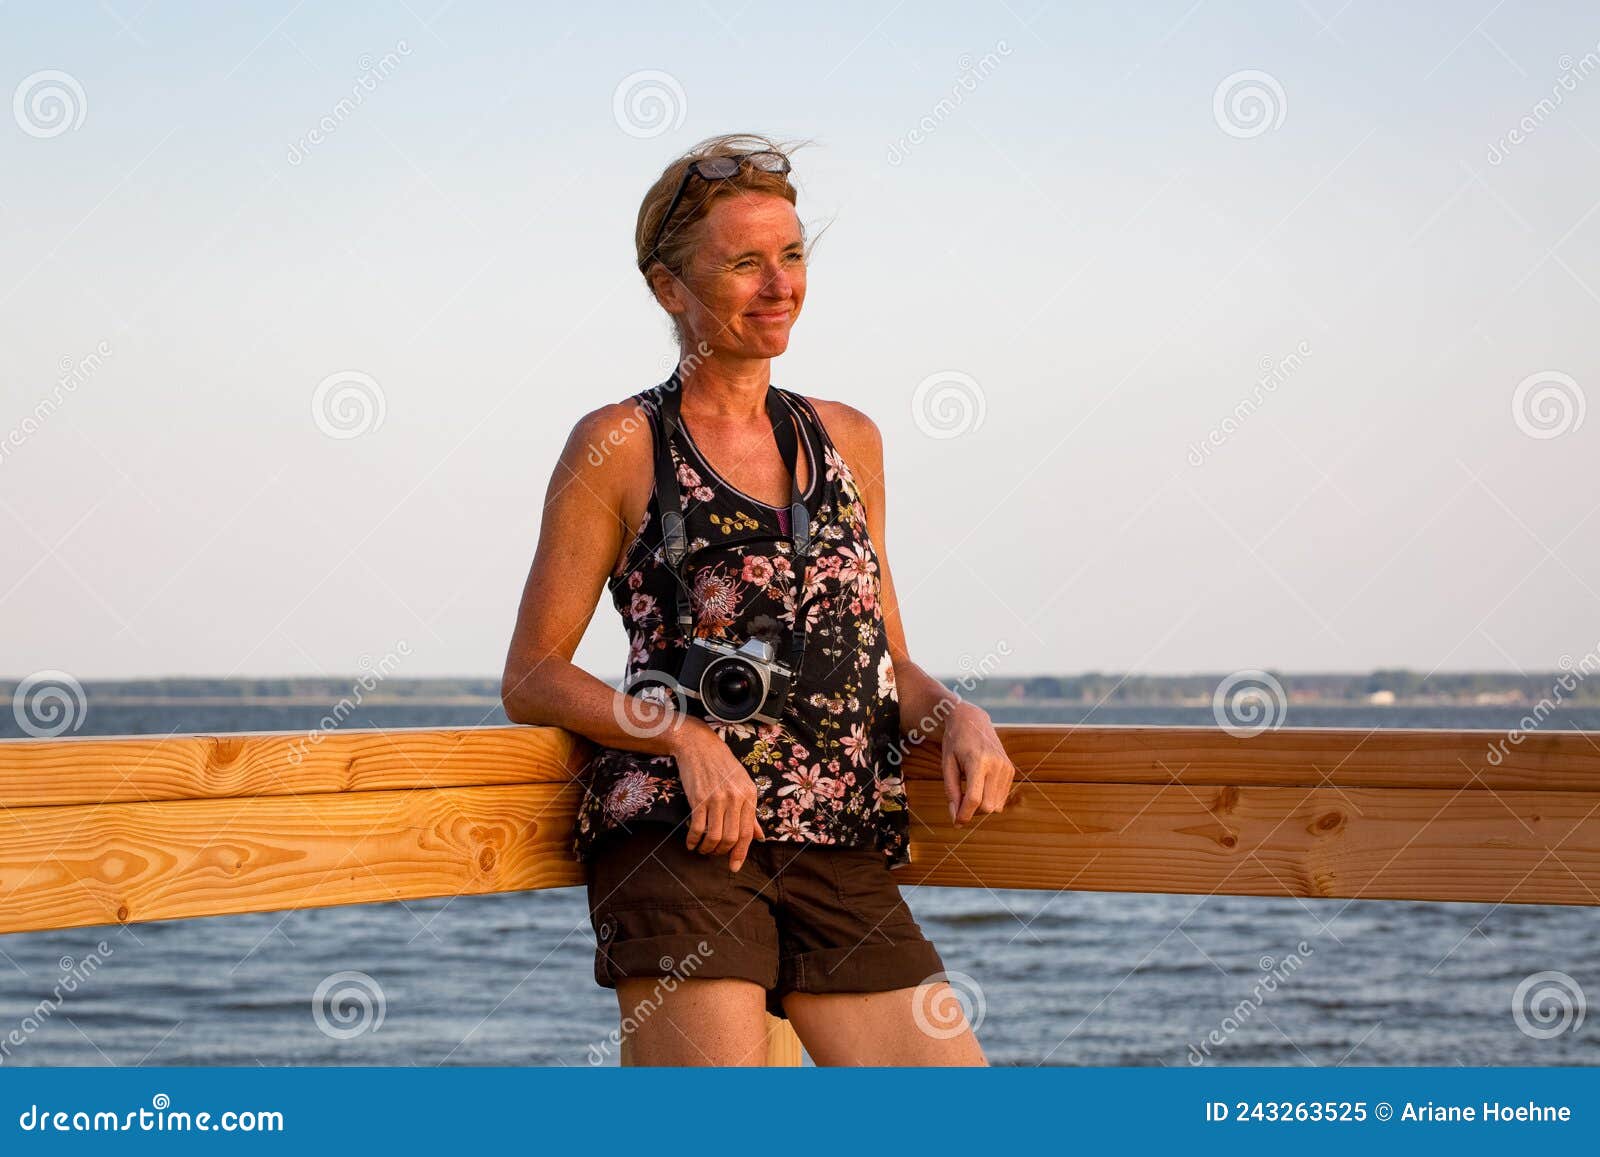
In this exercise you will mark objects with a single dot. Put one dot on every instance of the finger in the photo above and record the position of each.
(952, 780)
(709, 845)
(974, 795)
(697, 827)
(760, 834)
(992, 783)
(1000, 784)
(742, 848)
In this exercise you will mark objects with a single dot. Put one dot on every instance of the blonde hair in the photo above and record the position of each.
(681, 235)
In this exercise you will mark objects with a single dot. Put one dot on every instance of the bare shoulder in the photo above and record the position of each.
(610, 451)
(856, 434)
(610, 440)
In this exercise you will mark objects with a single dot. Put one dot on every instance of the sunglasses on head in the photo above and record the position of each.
(713, 169)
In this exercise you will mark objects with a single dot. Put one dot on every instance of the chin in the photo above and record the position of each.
(768, 345)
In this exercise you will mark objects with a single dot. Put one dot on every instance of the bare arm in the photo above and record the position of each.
(977, 772)
(589, 513)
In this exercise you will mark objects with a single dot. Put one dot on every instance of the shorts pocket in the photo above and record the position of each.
(865, 886)
(653, 870)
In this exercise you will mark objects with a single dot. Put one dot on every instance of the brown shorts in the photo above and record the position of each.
(797, 917)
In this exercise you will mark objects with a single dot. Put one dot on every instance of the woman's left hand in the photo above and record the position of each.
(977, 771)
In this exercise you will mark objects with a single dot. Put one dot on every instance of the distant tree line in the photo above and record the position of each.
(1090, 687)
(1404, 685)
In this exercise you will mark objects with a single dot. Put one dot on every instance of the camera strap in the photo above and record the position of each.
(674, 532)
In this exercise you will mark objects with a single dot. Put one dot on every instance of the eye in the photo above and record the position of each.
(796, 255)
(747, 263)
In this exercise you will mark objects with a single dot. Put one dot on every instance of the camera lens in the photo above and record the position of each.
(732, 689)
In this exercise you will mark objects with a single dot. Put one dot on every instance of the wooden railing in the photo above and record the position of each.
(103, 831)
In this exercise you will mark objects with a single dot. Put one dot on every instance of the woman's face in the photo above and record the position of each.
(745, 280)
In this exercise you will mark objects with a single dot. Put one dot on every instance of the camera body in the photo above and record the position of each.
(734, 684)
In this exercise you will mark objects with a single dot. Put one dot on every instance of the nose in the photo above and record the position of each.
(778, 284)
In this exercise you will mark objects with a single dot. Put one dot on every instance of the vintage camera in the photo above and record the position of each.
(734, 684)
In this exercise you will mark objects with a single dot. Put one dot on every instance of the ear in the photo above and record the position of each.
(668, 290)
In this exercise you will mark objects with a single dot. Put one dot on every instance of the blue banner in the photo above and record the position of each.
(1303, 1110)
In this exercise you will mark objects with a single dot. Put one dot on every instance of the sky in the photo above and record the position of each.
(1202, 336)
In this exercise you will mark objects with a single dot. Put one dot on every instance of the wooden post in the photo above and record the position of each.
(783, 1045)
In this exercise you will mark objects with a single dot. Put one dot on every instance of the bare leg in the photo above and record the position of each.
(697, 1022)
(882, 1028)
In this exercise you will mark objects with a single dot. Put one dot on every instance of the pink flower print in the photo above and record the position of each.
(886, 686)
(758, 569)
(798, 751)
(889, 794)
(635, 580)
(805, 784)
(686, 476)
(835, 464)
(856, 744)
(716, 601)
(731, 730)
(856, 566)
(794, 828)
(630, 795)
(782, 567)
(702, 494)
(642, 607)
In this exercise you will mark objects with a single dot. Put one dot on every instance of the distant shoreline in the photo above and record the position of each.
(1377, 689)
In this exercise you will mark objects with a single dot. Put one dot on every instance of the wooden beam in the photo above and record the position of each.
(97, 831)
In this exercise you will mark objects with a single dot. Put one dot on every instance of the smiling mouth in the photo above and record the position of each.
(772, 315)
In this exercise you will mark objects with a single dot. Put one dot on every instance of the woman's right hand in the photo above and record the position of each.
(721, 794)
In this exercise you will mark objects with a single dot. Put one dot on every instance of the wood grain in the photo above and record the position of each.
(97, 831)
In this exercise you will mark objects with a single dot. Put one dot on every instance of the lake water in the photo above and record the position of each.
(1071, 978)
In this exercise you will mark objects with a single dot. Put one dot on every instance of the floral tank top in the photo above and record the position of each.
(824, 773)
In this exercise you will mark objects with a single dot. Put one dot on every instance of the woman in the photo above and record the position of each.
(740, 848)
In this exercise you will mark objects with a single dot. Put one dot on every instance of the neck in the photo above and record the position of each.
(726, 387)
